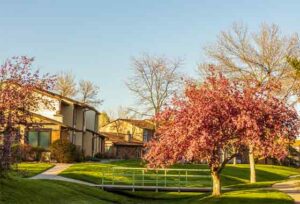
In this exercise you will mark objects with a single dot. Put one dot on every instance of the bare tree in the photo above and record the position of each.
(88, 93)
(155, 80)
(258, 56)
(122, 112)
(66, 85)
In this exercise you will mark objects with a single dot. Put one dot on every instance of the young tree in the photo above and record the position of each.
(154, 82)
(66, 85)
(215, 117)
(88, 93)
(18, 100)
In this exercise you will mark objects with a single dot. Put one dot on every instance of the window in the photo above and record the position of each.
(147, 135)
(39, 138)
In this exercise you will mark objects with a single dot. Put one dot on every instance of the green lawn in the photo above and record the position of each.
(30, 169)
(18, 189)
(231, 176)
(25, 191)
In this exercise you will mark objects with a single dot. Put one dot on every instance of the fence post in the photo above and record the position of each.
(179, 181)
(143, 180)
(113, 176)
(102, 179)
(165, 178)
(156, 181)
(133, 181)
(186, 178)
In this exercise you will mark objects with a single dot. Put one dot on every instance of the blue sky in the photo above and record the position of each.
(96, 39)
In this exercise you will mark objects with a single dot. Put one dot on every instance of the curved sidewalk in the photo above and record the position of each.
(52, 174)
(292, 188)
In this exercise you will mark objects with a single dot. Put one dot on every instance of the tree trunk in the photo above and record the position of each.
(252, 165)
(234, 160)
(216, 183)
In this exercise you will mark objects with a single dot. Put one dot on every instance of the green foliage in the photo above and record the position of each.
(64, 151)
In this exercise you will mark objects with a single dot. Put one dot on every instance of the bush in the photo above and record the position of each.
(21, 152)
(65, 152)
(105, 155)
(37, 152)
(25, 152)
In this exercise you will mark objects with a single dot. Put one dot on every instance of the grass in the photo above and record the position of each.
(42, 191)
(29, 169)
(25, 191)
(232, 176)
(18, 189)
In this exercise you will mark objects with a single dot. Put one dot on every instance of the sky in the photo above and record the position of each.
(96, 40)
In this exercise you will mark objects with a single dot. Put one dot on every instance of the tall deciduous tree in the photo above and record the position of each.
(257, 57)
(89, 93)
(66, 85)
(217, 116)
(18, 100)
(154, 82)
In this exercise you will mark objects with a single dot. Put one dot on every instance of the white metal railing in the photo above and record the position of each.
(137, 177)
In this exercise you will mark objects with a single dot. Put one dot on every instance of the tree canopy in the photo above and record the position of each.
(219, 115)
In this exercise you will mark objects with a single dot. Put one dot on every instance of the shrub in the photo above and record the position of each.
(105, 155)
(25, 152)
(21, 152)
(37, 152)
(66, 152)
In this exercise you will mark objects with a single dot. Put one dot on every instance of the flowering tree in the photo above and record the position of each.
(18, 100)
(271, 126)
(214, 118)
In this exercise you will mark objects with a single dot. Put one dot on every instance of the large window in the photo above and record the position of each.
(40, 138)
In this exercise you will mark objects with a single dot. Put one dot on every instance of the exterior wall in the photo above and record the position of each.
(90, 118)
(124, 127)
(87, 143)
(50, 113)
(67, 114)
(55, 135)
(78, 117)
(78, 138)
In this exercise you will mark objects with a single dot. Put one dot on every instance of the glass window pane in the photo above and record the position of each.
(44, 139)
(33, 138)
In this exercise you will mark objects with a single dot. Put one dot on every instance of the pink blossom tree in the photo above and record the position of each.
(18, 100)
(216, 117)
(271, 126)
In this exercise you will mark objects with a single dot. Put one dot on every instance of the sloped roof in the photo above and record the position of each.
(67, 99)
(144, 124)
(119, 139)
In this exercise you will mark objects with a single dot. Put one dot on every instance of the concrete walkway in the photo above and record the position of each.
(291, 188)
(52, 174)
